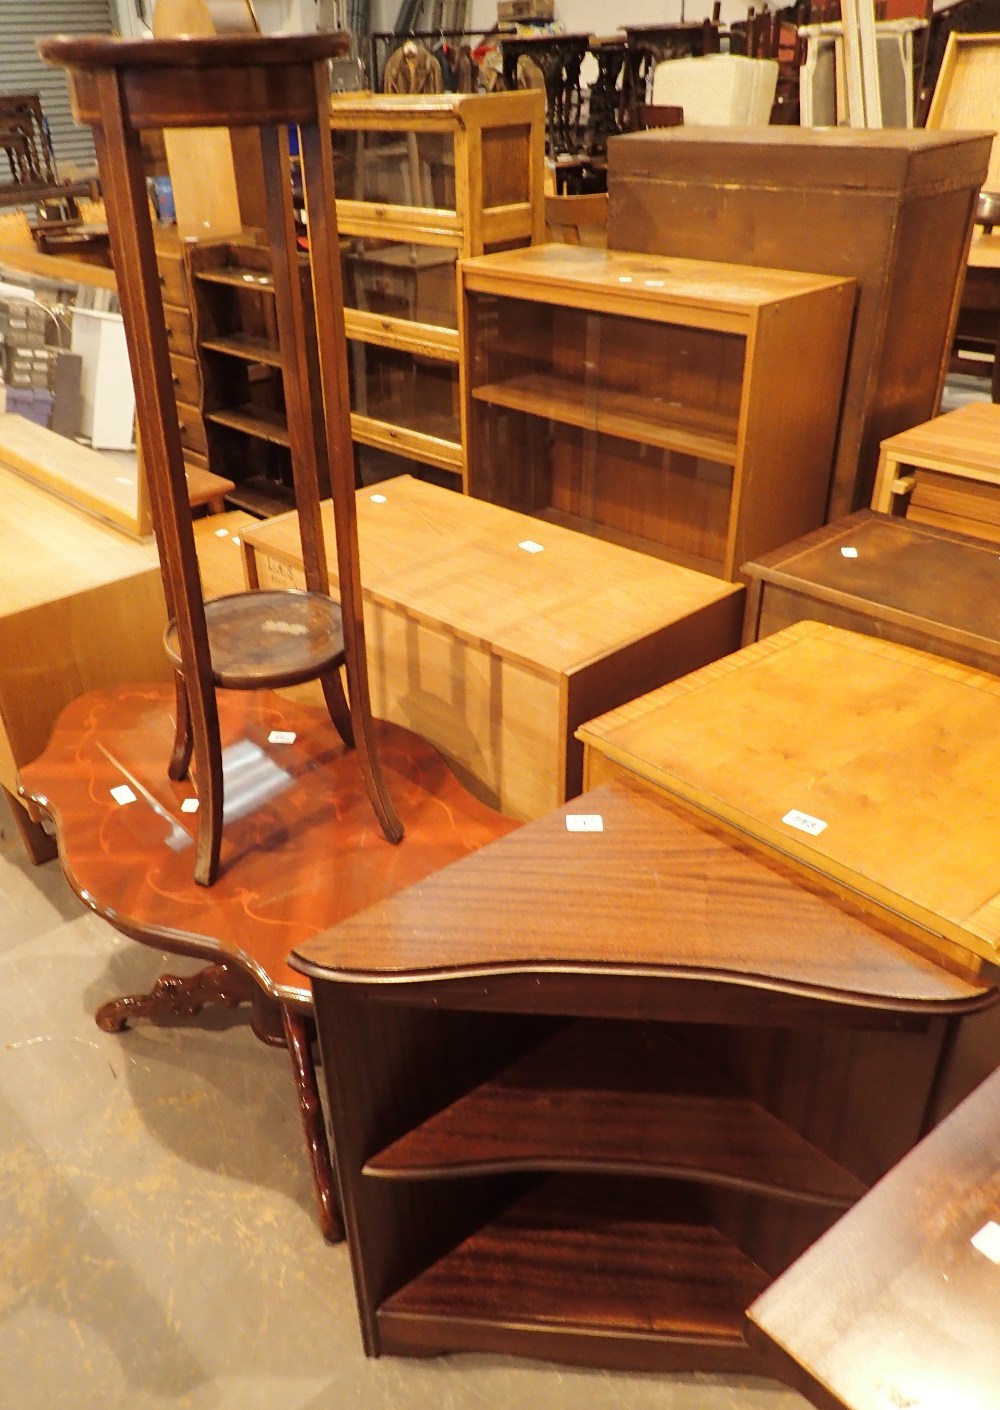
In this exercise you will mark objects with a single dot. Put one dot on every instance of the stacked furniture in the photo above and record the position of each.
(421, 183)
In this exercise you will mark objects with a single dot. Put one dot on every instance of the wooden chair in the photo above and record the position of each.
(247, 641)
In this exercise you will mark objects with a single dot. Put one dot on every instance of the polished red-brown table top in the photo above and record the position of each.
(658, 893)
(301, 847)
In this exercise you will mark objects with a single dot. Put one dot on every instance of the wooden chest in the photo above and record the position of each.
(494, 635)
(892, 578)
(866, 762)
(892, 208)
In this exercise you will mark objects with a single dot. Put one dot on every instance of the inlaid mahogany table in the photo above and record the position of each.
(301, 850)
(899, 1304)
(593, 1086)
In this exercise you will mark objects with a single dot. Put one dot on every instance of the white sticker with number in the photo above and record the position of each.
(987, 1241)
(530, 546)
(804, 822)
(123, 794)
(584, 822)
(281, 736)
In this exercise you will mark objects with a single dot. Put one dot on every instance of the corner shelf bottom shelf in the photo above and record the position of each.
(562, 1274)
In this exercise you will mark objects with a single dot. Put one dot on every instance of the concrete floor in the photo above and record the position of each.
(158, 1247)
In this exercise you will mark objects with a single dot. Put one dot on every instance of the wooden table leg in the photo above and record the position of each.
(175, 997)
(299, 1031)
(39, 846)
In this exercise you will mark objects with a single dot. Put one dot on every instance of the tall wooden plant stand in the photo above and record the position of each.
(249, 640)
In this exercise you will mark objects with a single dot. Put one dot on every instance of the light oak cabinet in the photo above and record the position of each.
(682, 408)
(421, 183)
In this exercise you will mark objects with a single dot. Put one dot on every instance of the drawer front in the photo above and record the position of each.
(192, 429)
(180, 334)
(173, 282)
(187, 380)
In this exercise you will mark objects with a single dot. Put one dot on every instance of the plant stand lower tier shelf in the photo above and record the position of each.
(493, 635)
(590, 1091)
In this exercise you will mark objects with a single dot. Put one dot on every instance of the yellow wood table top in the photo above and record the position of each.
(870, 763)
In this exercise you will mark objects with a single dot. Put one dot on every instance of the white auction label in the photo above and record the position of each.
(221, 533)
(804, 823)
(584, 822)
(281, 736)
(849, 552)
(123, 794)
(190, 805)
(378, 499)
(987, 1241)
(530, 546)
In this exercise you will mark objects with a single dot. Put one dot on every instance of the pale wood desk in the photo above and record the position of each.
(494, 652)
(80, 606)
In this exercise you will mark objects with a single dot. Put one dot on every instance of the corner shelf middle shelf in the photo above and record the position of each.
(585, 1101)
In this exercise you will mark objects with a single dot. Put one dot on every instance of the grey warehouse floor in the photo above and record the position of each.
(158, 1248)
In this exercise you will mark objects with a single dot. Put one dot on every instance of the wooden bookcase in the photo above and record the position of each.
(241, 377)
(421, 183)
(682, 408)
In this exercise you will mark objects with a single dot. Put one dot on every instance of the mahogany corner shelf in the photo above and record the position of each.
(591, 1091)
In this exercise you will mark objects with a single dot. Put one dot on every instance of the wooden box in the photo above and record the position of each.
(891, 208)
(80, 606)
(892, 578)
(494, 636)
(868, 763)
(685, 409)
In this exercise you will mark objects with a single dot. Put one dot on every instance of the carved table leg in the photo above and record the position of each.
(298, 1032)
(176, 997)
(39, 846)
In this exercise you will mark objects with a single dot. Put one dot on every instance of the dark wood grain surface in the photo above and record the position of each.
(896, 1306)
(575, 1257)
(593, 1098)
(301, 845)
(658, 893)
(872, 573)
